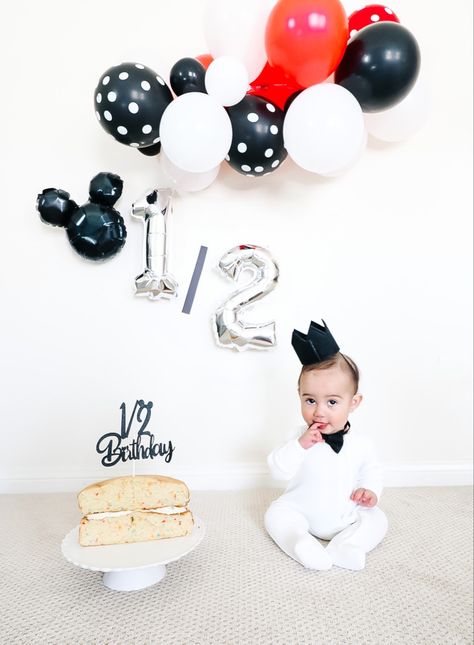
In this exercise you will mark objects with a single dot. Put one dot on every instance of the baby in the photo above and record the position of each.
(334, 478)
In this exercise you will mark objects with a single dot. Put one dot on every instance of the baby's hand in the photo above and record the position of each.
(364, 497)
(311, 437)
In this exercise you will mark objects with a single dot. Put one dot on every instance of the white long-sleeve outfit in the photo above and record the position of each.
(317, 502)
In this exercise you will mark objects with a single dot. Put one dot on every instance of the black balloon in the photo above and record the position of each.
(95, 229)
(380, 65)
(290, 100)
(151, 151)
(129, 102)
(55, 207)
(187, 75)
(105, 188)
(96, 232)
(257, 136)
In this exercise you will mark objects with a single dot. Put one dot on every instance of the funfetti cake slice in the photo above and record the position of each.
(134, 509)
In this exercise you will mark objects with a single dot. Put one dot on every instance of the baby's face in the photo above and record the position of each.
(327, 398)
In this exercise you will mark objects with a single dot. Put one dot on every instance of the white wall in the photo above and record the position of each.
(383, 254)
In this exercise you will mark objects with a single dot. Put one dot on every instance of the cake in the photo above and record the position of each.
(134, 509)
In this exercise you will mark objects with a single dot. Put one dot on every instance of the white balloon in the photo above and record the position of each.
(402, 120)
(195, 132)
(237, 28)
(357, 155)
(324, 129)
(227, 80)
(182, 180)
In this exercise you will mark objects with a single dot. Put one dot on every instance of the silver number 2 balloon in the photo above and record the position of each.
(230, 331)
(155, 281)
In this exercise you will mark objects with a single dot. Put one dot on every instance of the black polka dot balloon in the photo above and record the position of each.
(257, 140)
(129, 102)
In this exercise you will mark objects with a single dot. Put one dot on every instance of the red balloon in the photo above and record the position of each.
(205, 60)
(368, 16)
(273, 85)
(306, 39)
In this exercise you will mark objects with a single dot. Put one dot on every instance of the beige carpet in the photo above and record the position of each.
(238, 588)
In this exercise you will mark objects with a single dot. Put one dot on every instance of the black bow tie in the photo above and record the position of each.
(336, 439)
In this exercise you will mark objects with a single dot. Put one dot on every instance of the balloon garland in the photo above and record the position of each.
(294, 78)
(291, 78)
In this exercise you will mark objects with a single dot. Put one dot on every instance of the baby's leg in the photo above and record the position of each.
(348, 548)
(290, 530)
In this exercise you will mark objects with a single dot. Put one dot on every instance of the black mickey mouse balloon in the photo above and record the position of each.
(380, 65)
(95, 229)
(129, 102)
(187, 75)
(257, 136)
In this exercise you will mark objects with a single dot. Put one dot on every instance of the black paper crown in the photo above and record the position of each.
(316, 346)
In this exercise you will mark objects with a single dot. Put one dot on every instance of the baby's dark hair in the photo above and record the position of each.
(344, 362)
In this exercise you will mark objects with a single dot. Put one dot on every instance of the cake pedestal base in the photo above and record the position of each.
(133, 579)
(128, 567)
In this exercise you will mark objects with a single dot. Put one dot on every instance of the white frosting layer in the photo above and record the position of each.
(165, 510)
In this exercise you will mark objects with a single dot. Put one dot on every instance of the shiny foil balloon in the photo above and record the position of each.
(257, 136)
(229, 328)
(129, 101)
(380, 65)
(273, 86)
(95, 230)
(155, 281)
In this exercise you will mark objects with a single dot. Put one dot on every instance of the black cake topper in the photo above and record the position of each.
(316, 346)
(115, 447)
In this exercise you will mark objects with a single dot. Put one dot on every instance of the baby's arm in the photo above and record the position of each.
(285, 461)
(368, 487)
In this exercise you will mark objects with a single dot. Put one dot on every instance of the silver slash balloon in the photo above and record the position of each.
(230, 331)
(155, 281)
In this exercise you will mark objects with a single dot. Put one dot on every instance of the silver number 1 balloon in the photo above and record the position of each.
(155, 281)
(229, 329)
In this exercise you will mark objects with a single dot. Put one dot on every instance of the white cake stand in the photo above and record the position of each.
(128, 567)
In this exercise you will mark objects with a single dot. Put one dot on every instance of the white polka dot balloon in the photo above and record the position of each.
(129, 101)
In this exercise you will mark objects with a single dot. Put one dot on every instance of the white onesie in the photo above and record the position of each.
(317, 502)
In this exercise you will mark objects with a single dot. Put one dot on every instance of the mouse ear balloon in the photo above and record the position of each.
(129, 102)
(105, 188)
(55, 207)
